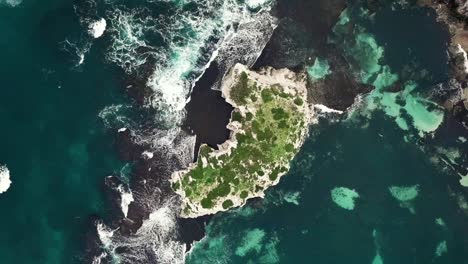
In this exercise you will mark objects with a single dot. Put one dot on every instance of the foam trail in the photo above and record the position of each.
(99, 259)
(97, 28)
(126, 198)
(254, 4)
(115, 116)
(77, 50)
(325, 109)
(105, 234)
(223, 30)
(5, 181)
(156, 240)
(152, 242)
(170, 53)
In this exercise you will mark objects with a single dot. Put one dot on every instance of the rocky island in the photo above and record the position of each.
(268, 125)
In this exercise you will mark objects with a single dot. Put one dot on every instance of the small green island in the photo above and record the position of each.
(268, 126)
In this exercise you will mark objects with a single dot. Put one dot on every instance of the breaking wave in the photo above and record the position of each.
(156, 241)
(5, 181)
(97, 28)
(153, 243)
(175, 47)
(126, 198)
(167, 46)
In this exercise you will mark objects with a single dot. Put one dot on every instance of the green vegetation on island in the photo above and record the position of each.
(268, 125)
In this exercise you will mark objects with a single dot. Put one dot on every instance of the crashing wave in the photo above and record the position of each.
(99, 259)
(246, 44)
(97, 28)
(5, 181)
(170, 52)
(178, 47)
(105, 234)
(153, 242)
(255, 4)
(126, 198)
(156, 241)
(77, 43)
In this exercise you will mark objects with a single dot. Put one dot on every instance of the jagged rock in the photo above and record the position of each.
(336, 90)
(454, 13)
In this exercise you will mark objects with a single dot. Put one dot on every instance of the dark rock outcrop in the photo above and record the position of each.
(453, 94)
(339, 89)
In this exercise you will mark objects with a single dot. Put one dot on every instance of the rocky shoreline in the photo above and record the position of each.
(150, 181)
(454, 14)
(291, 84)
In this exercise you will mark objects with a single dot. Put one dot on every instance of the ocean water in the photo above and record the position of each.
(379, 184)
(375, 185)
(299, 222)
(53, 142)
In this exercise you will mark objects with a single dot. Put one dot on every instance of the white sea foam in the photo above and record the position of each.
(113, 116)
(153, 241)
(77, 50)
(465, 56)
(126, 198)
(147, 154)
(254, 4)
(325, 109)
(97, 28)
(191, 41)
(105, 234)
(246, 43)
(98, 259)
(221, 30)
(128, 34)
(82, 57)
(157, 237)
(5, 181)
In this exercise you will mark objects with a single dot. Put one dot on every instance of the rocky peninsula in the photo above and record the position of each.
(267, 127)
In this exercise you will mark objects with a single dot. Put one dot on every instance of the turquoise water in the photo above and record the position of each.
(299, 222)
(372, 186)
(51, 138)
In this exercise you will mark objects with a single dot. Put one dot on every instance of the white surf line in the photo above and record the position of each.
(5, 181)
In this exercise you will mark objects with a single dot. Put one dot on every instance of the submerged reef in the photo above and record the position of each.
(344, 197)
(268, 125)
